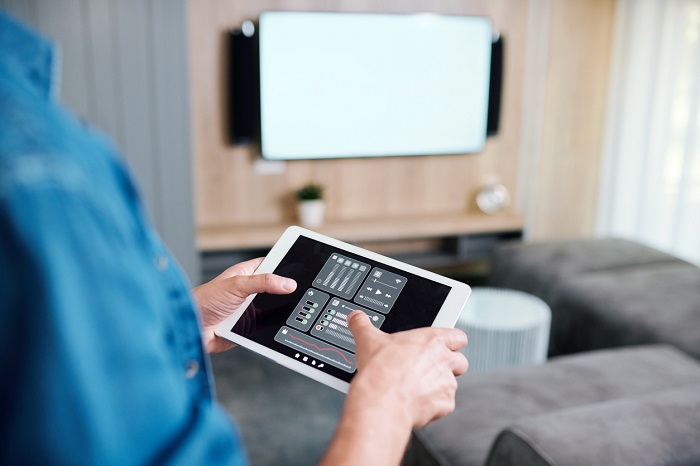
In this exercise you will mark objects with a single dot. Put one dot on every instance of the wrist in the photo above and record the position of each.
(211, 342)
(382, 404)
(370, 413)
(208, 339)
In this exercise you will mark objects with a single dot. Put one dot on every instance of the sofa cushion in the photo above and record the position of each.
(537, 267)
(658, 303)
(488, 403)
(606, 292)
(661, 429)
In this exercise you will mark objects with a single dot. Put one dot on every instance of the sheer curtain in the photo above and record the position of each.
(650, 183)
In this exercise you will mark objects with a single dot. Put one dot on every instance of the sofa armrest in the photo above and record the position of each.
(657, 429)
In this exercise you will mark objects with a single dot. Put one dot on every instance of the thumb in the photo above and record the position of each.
(262, 283)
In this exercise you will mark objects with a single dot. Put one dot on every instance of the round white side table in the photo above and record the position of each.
(505, 328)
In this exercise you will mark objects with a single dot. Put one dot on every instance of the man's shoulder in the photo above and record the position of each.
(41, 145)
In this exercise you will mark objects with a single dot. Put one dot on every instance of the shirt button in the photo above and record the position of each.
(161, 262)
(192, 368)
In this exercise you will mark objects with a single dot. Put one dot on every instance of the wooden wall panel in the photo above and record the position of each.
(229, 192)
(562, 172)
(580, 47)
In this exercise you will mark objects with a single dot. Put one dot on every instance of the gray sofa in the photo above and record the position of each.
(623, 386)
(606, 293)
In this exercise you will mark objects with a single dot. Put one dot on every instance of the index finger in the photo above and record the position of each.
(454, 339)
(360, 326)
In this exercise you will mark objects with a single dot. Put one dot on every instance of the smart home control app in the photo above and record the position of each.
(311, 324)
(380, 290)
(341, 275)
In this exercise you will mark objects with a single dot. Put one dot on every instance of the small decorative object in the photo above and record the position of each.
(311, 205)
(493, 197)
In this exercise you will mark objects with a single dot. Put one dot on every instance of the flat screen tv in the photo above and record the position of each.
(369, 85)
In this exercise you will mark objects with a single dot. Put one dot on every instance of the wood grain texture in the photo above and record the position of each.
(383, 229)
(561, 197)
(580, 47)
(229, 194)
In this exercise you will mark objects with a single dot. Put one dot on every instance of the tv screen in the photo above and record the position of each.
(368, 85)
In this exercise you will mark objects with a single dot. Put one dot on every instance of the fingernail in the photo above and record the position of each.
(357, 312)
(289, 284)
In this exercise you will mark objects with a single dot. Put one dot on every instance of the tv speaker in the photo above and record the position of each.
(244, 87)
(495, 87)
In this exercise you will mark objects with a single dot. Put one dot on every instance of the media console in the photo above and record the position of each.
(430, 242)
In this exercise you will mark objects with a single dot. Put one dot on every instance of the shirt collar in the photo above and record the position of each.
(27, 57)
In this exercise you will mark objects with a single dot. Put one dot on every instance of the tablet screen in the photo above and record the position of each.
(310, 325)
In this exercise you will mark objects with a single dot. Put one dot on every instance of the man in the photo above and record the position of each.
(103, 349)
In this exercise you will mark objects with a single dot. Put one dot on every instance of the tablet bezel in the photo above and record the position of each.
(446, 316)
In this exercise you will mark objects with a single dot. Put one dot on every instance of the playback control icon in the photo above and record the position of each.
(380, 290)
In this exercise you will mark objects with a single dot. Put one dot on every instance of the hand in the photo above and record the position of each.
(222, 296)
(404, 381)
(415, 370)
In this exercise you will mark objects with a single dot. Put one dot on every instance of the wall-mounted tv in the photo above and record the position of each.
(368, 85)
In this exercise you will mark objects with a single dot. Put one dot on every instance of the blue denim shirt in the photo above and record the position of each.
(100, 349)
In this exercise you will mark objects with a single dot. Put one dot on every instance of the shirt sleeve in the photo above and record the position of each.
(97, 329)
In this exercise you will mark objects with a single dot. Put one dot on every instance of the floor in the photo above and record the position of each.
(285, 418)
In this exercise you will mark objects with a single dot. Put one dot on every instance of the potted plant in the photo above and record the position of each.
(311, 205)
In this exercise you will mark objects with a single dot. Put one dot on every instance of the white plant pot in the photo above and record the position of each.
(311, 213)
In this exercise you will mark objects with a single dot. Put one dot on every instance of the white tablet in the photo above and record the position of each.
(307, 330)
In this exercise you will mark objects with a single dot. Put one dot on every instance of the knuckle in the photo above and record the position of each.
(353, 321)
(452, 384)
(234, 282)
(268, 280)
(451, 405)
(445, 408)
(436, 341)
